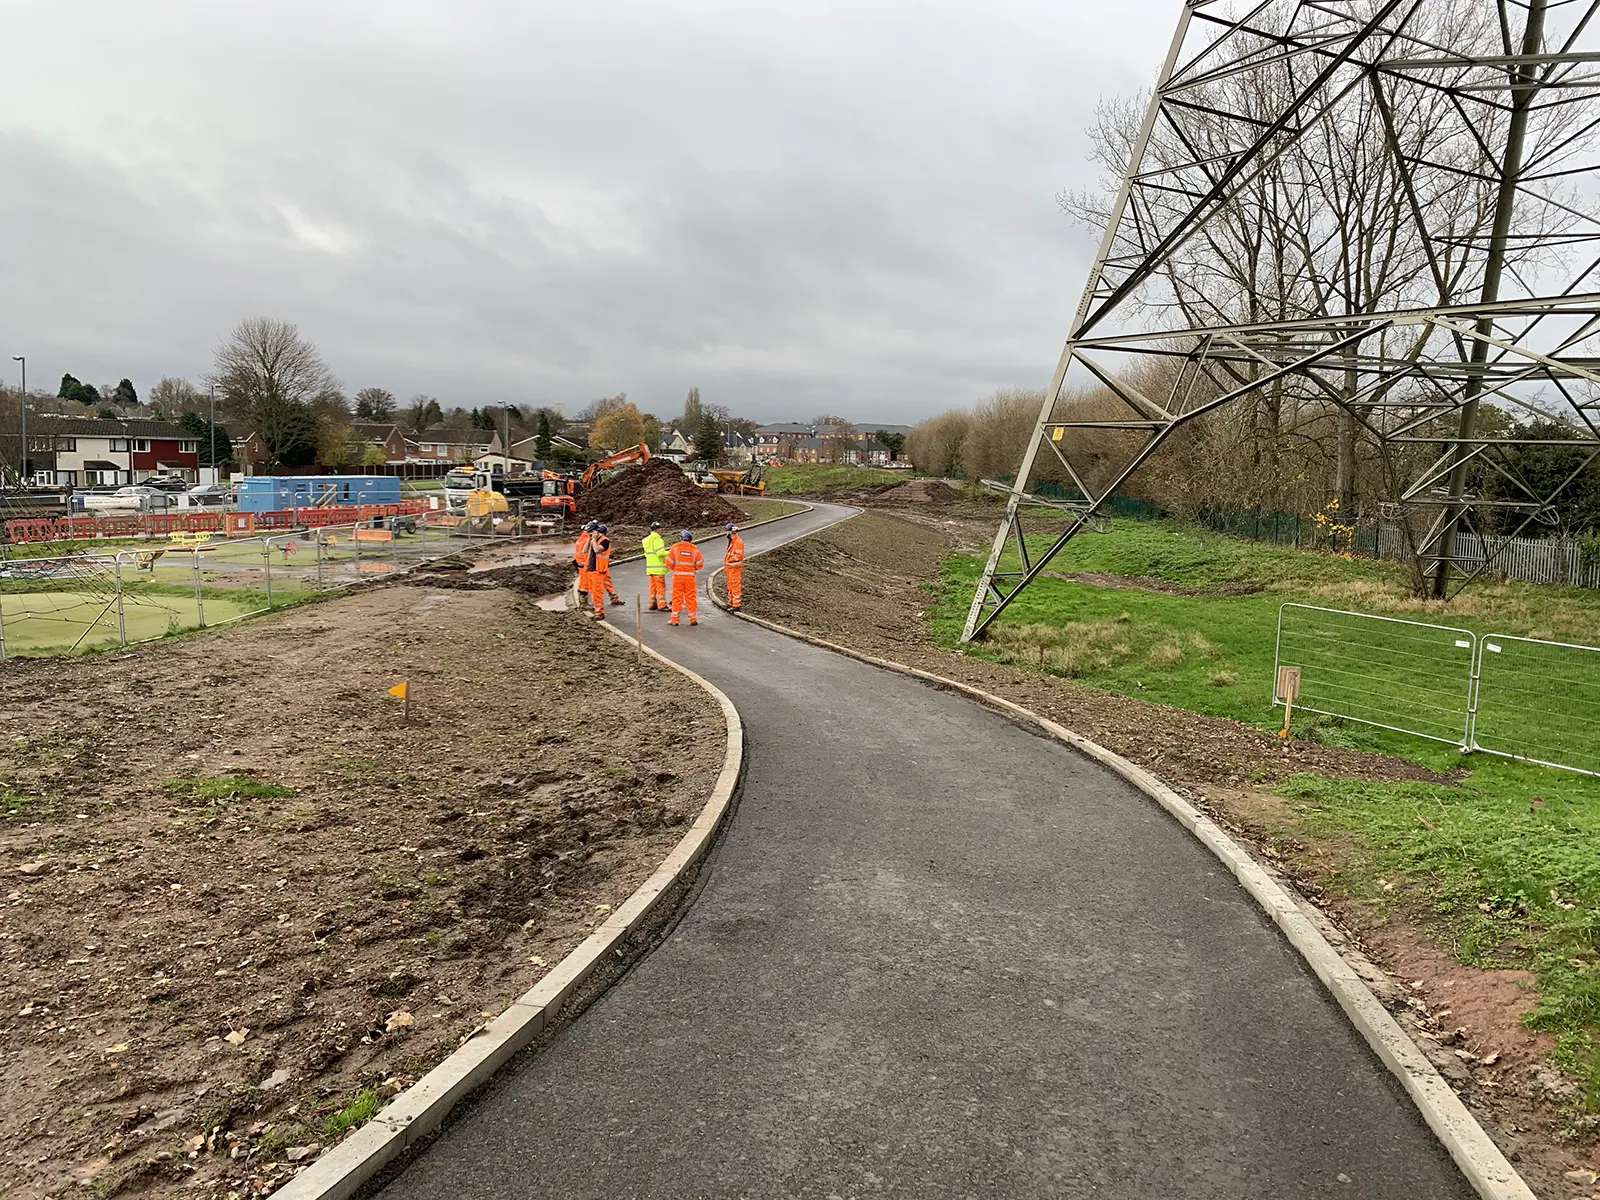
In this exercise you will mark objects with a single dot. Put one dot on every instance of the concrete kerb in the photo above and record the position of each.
(419, 1111)
(1487, 1169)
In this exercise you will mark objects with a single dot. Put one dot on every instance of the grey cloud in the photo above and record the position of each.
(794, 207)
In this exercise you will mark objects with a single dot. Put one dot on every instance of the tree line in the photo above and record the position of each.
(1328, 228)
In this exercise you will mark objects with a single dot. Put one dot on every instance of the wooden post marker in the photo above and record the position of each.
(403, 690)
(638, 629)
(1288, 691)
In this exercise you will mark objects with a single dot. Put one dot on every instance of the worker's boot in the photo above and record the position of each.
(693, 621)
(615, 600)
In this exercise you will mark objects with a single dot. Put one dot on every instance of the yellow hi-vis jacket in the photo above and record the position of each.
(655, 553)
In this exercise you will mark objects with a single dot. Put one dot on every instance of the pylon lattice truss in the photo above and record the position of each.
(1421, 174)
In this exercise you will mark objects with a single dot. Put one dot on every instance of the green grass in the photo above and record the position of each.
(1141, 642)
(49, 621)
(224, 787)
(800, 477)
(360, 1109)
(1501, 863)
(21, 807)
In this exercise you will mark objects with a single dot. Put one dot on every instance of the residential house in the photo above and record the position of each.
(737, 449)
(89, 451)
(385, 437)
(776, 442)
(495, 462)
(528, 447)
(442, 443)
(249, 451)
(804, 449)
(676, 446)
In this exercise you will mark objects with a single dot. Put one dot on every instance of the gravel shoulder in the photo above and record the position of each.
(243, 901)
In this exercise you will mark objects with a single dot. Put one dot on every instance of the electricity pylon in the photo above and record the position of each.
(1466, 133)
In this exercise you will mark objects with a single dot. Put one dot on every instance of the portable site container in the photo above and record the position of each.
(273, 493)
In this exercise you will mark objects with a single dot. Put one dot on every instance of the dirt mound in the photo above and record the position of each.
(656, 491)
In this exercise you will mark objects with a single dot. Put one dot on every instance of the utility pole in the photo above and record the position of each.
(22, 422)
(1523, 94)
(211, 434)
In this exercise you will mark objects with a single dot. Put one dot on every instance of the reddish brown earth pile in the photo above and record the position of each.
(656, 491)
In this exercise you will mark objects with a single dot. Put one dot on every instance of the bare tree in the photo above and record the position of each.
(173, 395)
(375, 404)
(271, 375)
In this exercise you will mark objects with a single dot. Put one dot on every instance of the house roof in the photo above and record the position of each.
(808, 443)
(868, 427)
(98, 427)
(374, 431)
(782, 429)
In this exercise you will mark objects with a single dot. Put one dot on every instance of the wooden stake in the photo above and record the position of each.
(1288, 689)
(638, 629)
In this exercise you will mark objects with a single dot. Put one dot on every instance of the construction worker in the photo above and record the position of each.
(733, 568)
(655, 566)
(580, 557)
(684, 559)
(599, 572)
(606, 585)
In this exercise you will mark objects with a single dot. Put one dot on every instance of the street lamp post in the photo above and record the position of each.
(22, 421)
(211, 435)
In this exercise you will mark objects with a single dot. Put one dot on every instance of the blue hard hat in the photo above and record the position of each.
(592, 526)
(603, 529)
(729, 526)
(685, 536)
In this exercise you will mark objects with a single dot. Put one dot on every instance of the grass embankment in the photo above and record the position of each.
(805, 478)
(1502, 864)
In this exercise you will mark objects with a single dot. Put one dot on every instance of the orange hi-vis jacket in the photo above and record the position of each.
(600, 554)
(580, 552)
(685, 558)
(734, 557)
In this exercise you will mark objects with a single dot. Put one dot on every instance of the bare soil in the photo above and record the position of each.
(238, 893)
(862, 584)
(655, 491)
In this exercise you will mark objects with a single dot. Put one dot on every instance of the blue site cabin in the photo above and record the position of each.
(273, 493)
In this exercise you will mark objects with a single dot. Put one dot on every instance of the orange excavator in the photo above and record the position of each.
(625, 457)
(559, 492)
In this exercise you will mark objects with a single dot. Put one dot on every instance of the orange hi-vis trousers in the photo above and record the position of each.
(735, 577)
(658, 591)
(683, 596)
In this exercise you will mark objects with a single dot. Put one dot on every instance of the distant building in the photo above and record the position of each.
(91, 451)
(440, 443)
(387, 438)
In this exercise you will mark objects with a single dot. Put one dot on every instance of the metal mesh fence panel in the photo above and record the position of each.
(1539, 701)
(97, 601)
(1401, 675)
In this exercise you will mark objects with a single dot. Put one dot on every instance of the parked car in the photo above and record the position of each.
(132, 498)
(210, 493)
(167, 483)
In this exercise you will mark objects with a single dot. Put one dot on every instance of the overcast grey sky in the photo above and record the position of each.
(799, 206)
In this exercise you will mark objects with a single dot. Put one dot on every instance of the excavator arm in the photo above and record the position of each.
(618, 458)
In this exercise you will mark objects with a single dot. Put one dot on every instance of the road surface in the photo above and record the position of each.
(937, 955)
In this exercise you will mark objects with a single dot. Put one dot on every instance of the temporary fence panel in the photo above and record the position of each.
(1539, 701)
(1402, 675)
(54, 605)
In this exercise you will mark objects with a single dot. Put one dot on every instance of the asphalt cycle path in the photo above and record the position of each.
(938, 955)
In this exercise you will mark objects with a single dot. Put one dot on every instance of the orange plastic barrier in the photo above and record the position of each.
(234, 524)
